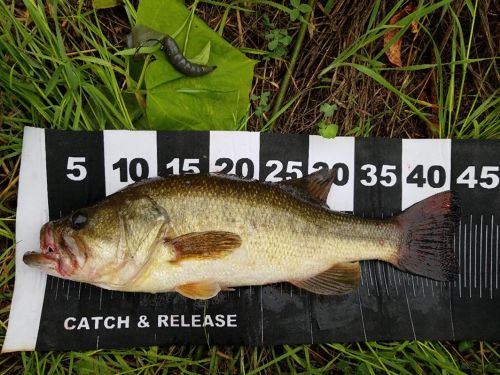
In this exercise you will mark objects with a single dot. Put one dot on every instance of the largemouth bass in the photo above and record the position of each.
(200, 234)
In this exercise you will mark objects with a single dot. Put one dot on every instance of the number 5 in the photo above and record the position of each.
(76, 169)
(489, 173)
(388, 174)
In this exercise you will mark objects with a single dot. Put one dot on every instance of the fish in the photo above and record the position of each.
(200, 234)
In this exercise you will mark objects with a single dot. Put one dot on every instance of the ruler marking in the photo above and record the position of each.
(57, 289)
(451, 313)
(460, 258)
(394, 277)
(470, 256)
(455, 255)
(79, 290)
(491, 259)
(362, 317)
(465, 255)
(475, 256)
(481, 258)
(383, 280)
(67, 294)
(100, 300)
(261, 318)
(413, 286)
(409, 314)
(370, 272)
(309, 299)
(496, 264)
(486, 257)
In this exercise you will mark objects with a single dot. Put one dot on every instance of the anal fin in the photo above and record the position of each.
(342, 278)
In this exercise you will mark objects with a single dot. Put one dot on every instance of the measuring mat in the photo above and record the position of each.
(377, 177)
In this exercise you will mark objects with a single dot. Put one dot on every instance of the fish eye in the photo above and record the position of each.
(78, 220)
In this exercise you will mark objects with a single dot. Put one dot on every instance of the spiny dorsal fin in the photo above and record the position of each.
(199, 290)
(342, 278)
(211, 244)
(314, 187)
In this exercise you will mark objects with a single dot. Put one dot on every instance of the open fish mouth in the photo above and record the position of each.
(56, 255)
(48, 257)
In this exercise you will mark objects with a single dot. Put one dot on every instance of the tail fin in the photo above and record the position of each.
(428, 229)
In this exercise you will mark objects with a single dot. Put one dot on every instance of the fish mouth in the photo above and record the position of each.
(40, 260)
(56, 255)
(48, 257)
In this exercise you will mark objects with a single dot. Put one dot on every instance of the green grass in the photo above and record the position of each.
(58, 69)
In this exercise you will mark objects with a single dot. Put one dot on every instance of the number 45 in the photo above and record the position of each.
(489, 177)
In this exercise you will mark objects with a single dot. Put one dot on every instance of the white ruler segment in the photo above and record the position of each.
(236, 146)
(128, 156)
(427, 161)
(32, 213)
(338, 151)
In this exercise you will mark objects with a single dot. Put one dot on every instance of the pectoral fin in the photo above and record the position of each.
(199, 290)
(212, 244)
(342, 278)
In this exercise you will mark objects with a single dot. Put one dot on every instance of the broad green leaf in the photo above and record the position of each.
(218, 100)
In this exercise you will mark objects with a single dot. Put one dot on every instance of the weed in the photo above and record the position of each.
(299, 9)
(262, 103)
(328, 129)
(278, 42)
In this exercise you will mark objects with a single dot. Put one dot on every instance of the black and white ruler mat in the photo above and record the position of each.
(62, 171)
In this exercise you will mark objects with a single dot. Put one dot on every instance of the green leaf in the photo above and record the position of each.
(328, 130)
(218, 100)
(328, 109)
(103, 4)
(304, 8)
(295, 3)
(203, 56)
(464, 346)
(294, 14)
(273, 44)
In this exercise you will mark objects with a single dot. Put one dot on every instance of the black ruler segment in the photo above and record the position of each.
(182, 152)
(282, 157)
(377, 189)
(389, 304)
(75, 170)
(476, 293)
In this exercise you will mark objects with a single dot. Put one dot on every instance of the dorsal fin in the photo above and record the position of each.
(313, 188)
